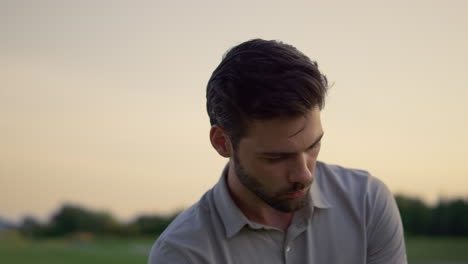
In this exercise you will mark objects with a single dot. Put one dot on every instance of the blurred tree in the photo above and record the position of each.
(414, 215)
(458, 217)
(71, 219)
(152, 225)
(30, 226)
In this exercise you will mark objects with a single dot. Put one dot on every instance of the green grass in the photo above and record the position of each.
(15, 249)
(437, 250)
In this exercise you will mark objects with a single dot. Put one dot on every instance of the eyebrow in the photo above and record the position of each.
(291, 153)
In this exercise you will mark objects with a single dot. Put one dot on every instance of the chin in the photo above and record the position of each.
(290, 206)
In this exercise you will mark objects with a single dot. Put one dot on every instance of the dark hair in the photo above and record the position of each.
(259, 80)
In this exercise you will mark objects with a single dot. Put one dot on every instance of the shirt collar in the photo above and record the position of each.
(319, 198)
(234, 220)
(232, 217)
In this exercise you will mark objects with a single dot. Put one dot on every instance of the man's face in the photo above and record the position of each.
(276, 160)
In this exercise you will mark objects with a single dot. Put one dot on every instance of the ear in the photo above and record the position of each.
(220, 141)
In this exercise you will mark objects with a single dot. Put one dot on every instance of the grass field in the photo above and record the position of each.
(430, 250)
(14, 249)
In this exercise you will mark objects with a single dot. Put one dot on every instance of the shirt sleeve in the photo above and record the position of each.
(163, 253)
(385, 239)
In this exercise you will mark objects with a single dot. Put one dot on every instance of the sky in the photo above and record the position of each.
(102, 103)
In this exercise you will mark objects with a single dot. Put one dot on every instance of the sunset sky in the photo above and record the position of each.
(102, 103)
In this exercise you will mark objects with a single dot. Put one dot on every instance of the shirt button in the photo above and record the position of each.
(288, 249)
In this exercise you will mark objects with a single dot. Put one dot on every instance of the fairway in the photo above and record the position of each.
(430, 250)
(14, 249)
(117, 251)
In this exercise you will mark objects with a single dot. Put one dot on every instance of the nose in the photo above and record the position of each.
(300, 170)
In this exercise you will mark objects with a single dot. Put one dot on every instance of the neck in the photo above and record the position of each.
(254, 208)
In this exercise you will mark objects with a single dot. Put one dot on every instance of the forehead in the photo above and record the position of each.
(283, 134)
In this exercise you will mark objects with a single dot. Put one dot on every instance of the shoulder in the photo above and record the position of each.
(359, 194)
(342, 174)
(354, 189)
(346, 181)
(186, 239)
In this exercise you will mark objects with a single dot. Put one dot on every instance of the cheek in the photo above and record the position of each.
(263, 168)
(275, 173)
(312, 159)
(267, 173)
(311, 162)
(313, 155)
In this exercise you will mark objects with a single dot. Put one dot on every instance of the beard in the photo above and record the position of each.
(277, 200)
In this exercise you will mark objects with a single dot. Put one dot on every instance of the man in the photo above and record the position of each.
(274, 202)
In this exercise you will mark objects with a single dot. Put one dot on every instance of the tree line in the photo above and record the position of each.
(72, 220)
(446, 218)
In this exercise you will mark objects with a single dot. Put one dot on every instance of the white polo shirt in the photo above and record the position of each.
(352, 219)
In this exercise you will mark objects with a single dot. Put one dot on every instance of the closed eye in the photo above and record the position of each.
(315, 145)
(275, 158)
(278, 156)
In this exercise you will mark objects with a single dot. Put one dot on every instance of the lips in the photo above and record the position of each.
(297, 194)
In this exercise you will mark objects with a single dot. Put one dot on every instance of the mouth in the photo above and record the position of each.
(297, 194)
